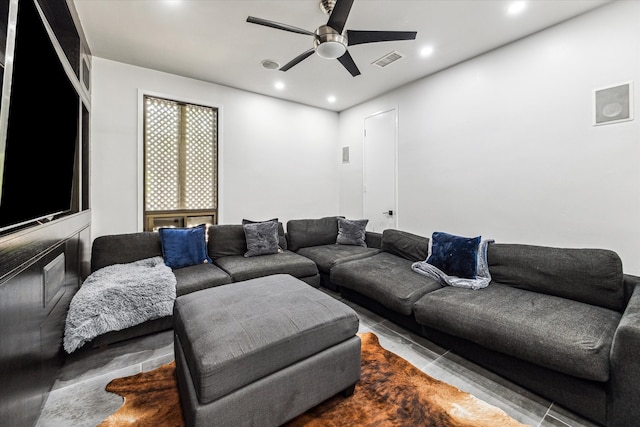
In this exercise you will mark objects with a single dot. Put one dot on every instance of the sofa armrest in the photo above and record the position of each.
(623, 398)
(373, 239)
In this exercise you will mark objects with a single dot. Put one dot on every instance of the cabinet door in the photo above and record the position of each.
(21, 363)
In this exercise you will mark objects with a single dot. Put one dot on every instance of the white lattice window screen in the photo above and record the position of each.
(201, 154)
(180, 156)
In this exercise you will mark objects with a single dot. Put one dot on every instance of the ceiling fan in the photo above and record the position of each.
(330, 41)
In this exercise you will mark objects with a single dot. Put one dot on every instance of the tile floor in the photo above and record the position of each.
(78, 398)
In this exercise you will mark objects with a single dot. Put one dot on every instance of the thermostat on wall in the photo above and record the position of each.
(345, 154)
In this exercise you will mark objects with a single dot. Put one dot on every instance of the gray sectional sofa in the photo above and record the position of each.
(564, 323)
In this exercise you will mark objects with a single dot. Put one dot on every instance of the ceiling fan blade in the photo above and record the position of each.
(339, 15)
(349, 64)
(278, 26)
(360, 37)
(297, 59)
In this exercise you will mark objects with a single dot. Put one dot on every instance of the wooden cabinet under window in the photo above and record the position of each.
(179, 219)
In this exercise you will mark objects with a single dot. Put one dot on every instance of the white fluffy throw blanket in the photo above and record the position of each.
(482, 280)
(117, 297)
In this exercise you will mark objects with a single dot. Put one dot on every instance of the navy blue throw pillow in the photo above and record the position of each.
(455, 255)
(182, 247)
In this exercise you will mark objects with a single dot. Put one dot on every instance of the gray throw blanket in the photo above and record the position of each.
(482, 280)
(117, 297)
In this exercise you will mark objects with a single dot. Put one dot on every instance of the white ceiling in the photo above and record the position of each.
(210, 40)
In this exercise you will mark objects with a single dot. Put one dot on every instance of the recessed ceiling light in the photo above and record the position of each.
(331, 99)
(270, 64)
(426, 51)
(516, 7)
(279, 85)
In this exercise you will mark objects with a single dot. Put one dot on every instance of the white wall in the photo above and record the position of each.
(503, 145)
(277, 158)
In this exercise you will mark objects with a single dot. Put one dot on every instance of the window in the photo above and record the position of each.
(180, 164)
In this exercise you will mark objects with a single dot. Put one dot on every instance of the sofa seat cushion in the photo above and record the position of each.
(241, 268)
(200, 276)
(385, 278)
(234, 335)
(561, 334)
(326, 256)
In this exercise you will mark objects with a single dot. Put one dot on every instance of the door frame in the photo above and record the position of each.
(395, 160)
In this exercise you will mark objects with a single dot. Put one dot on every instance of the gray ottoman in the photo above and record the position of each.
(262, 351)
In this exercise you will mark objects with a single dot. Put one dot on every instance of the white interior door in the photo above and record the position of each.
(380, 142)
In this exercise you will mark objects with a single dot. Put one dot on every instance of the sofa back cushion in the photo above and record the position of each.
(406, 245)
(592, 276)
(229, 239)
(226, 240)
(124, 248)
(302, 233)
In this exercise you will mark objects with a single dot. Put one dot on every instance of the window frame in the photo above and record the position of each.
(183, 217)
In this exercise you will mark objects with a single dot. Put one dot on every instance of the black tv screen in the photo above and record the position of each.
(42, 129)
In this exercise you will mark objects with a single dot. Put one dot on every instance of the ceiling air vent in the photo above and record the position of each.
(388, 59)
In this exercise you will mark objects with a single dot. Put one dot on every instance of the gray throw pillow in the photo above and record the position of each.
(249, 221)
(282, 239)
(262, 238)
(352, 231)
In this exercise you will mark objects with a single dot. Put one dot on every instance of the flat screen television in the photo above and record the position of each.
(42, 128)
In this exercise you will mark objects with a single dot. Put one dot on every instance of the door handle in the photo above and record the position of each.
(390, 213)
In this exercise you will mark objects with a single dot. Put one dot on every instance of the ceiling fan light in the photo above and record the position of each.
(328, 43)
(331, 50)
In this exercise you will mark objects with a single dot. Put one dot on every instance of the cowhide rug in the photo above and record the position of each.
(391, 392)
